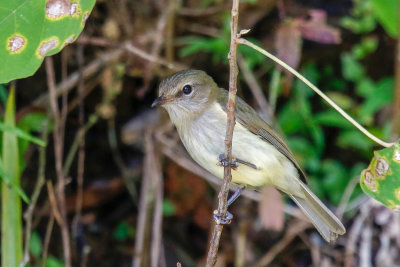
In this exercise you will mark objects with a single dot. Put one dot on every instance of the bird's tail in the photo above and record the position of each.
(327, 224)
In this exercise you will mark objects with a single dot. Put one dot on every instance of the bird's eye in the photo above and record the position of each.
(187, 89)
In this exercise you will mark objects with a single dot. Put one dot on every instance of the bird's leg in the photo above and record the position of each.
(223, 162)
(219, 218)
(234, 164)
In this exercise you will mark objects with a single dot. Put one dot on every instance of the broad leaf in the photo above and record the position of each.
(381, 180)
(33, 29)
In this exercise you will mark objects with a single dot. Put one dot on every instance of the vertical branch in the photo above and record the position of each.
(35, 196)
(396, 103)
(223, 194)
(140, 254)
(80, 244)
(58, 153)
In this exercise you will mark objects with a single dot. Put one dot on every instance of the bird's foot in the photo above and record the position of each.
(223, 162)
(222, 219)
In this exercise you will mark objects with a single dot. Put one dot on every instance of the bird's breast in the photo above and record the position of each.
(204, 140)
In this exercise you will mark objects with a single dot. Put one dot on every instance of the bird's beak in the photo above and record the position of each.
(159, 101)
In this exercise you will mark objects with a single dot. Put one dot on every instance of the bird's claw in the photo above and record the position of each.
(222, 219)
(223, 162)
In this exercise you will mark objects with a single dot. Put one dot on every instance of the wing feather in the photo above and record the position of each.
(249, 118)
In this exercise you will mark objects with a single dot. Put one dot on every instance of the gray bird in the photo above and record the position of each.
(197, 107)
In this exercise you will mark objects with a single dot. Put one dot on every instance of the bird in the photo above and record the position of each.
(197, 108)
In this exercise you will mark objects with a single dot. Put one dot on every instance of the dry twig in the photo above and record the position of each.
(151, 196)
(35, 196)
(58, 135)
(275, 250)
(73, 79)
(223, 194)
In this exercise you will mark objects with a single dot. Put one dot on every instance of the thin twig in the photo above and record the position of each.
(283, 243)
(346, 196)
(126, 172)
(58, 153)
(81, 155)
(143, 210)
(156, 242)
(92, 68)
(223, 194)
(47, 237)
(171, 65)
(35, 196)
(255, 87)
(319, 92)
(355, 233)
(53, 202)
(158, 40)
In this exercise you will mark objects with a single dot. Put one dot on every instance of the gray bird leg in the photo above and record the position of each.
(234, 164)
(223, 162)
(220, 219)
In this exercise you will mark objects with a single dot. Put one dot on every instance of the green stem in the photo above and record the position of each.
(11, 230)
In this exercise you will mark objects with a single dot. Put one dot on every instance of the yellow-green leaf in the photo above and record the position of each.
(381, 180)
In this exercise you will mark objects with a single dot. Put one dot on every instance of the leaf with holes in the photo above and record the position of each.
(33, 29)
(381, 180)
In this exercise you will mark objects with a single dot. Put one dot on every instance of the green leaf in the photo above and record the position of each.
(289, 120)
(335, 179)
(311, 72)
(332, 118)
(381, 180)
(367, 46)
(33, 122)
(341, 99)
(168, 208)
(354, 139)
(252, 57)
(54, 262)
(20, 133)
(303, 150)
(8, 180)
(317, 135)
(352, 70)
(33, 29)
(123, 231)
(386, 12)
(35, 244)
(219, 47)
(3, 94)
(365, 87)
(11, 226)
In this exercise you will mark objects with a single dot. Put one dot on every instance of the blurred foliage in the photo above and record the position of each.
(219, 47)
(367, 13)
(124, 231)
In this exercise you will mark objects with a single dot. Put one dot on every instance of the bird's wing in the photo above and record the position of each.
(249, 118)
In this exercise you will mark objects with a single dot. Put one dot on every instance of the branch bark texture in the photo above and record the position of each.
(223, 194)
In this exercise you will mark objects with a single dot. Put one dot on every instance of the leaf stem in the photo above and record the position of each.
(318, 91)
